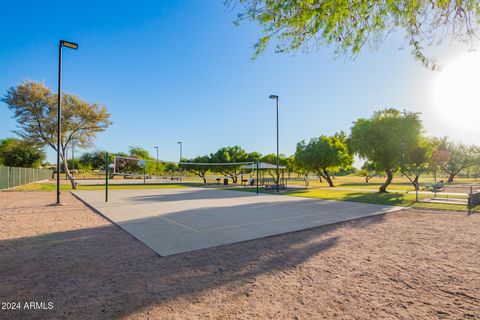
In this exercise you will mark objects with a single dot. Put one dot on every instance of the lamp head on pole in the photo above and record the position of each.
(68, 44)
(273, 97)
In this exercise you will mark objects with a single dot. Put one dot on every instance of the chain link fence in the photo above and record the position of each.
(11, 177)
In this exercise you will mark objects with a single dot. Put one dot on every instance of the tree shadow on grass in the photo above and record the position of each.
(105, 273)
(393, 198)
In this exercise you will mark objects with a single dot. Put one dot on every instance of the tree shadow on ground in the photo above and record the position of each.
(105, 273)
(393, 198)
(188, 194)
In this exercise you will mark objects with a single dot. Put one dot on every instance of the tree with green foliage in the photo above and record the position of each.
(75, 163)
(35, 108)
(18, 153)
(290, 165)
(196, 166)
(140, 167)
(230, 155)
(368, 171)
(254, 156)
(415, 161)
(385, 138)
(272, 159)
(475, 171)
(324, 154)
(460, 157)
(170, 168)
(94, 160)
(352, 26)
(139, 153)
(439, 157)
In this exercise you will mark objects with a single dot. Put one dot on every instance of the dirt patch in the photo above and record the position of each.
(410, 264)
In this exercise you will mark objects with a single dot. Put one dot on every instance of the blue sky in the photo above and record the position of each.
(173, 71)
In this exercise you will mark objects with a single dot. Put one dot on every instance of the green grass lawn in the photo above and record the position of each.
(398, 183)
(391, 198)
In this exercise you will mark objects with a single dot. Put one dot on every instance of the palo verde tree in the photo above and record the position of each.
(460, 157)
(351, 26)
(439, 157)
(195, 166)
(94, 160)
(385, 138)
(368, 171)
(324, 154)
(229, 155)
(415, 161)
(290, 165)
(18, 153)
(139, 153)
(35, 108)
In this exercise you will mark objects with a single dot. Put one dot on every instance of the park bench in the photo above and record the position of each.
(274, 186)
(440, 186)
(248, 182)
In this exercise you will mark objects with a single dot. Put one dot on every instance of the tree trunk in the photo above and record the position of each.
(320, 178)
(204, 180)
(383, 187)
(450, 177)
(415, 181)
(328, 178)
(67, 172)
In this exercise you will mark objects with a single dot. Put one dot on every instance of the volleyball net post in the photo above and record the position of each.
(107, 172)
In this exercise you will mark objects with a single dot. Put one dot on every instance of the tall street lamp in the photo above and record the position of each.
(157, 161)
(278, 172)
(73, 46)
(180, 143)
(180, 160)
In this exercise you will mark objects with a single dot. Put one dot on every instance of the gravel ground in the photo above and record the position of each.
(76, 265)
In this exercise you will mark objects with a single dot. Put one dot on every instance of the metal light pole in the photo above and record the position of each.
(180, 143)
(157, 161)
(74, 46)
(278, 157)
(180, 160)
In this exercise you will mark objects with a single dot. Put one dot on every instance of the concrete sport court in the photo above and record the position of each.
(177, 220)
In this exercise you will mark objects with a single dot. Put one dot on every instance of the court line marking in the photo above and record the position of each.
(157, 216)
(149, 213)
(300, 216)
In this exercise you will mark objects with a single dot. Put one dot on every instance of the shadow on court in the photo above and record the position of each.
(176, 221)
(189, 194)
(104, 273)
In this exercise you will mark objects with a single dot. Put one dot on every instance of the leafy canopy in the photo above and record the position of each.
(35, 108)
(351, 25)
(458, 157)
(386, 138)
(324, 154)
(18, 153)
